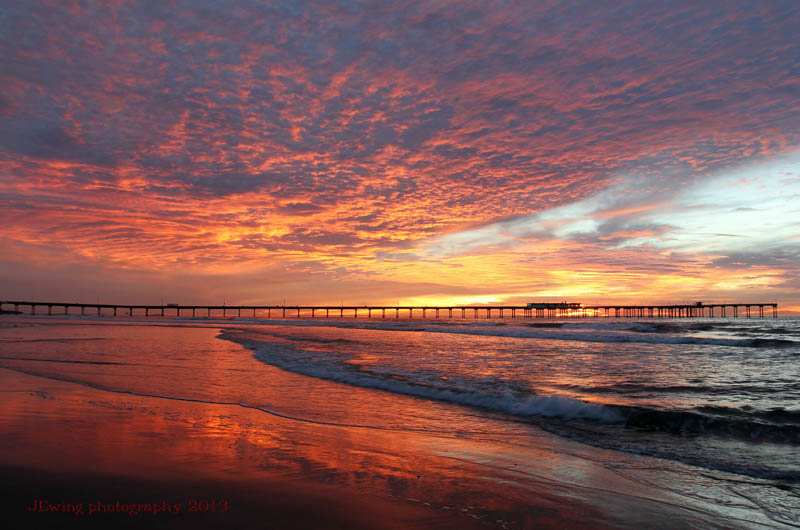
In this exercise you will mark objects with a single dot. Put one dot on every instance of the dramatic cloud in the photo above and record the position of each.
(321, 151)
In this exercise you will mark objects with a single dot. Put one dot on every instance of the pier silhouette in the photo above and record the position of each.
(464, 312)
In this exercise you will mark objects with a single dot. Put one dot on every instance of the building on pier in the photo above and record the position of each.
(553, 305)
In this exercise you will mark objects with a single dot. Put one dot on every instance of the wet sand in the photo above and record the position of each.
(47, 499)
(88, 442)
(70, 446)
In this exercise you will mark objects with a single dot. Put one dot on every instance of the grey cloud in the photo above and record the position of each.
(783, 257)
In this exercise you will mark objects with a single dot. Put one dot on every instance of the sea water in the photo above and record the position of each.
(722, 394)
(719, 396)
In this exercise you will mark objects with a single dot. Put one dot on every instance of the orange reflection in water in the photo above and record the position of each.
(188, 414)
(60, 427)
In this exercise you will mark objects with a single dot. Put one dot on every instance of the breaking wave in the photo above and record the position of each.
(504, 398)
(779, 426)
(584, 331)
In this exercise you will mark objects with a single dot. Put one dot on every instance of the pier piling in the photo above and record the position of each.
(531, 311)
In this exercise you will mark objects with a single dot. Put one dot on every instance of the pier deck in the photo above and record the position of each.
(472, 312)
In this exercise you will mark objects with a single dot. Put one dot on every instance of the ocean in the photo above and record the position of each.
(711, 398)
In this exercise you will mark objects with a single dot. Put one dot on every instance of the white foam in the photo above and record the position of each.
(600, 332)
(501, 400)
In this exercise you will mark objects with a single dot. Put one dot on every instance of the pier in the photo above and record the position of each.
(469, 312)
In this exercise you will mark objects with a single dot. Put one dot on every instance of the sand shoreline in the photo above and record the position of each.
(272, 497)
(67, 441)
(92, 500)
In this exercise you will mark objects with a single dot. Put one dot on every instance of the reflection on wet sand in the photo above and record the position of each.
(67, 429)
(218, 424)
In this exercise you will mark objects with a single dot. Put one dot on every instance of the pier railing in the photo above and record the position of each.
(472, 312)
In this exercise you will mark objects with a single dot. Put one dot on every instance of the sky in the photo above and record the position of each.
(379, 152)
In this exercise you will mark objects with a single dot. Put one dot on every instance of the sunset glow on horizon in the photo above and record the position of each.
(442, 153)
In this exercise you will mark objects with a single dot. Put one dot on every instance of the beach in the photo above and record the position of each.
(182, 424)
